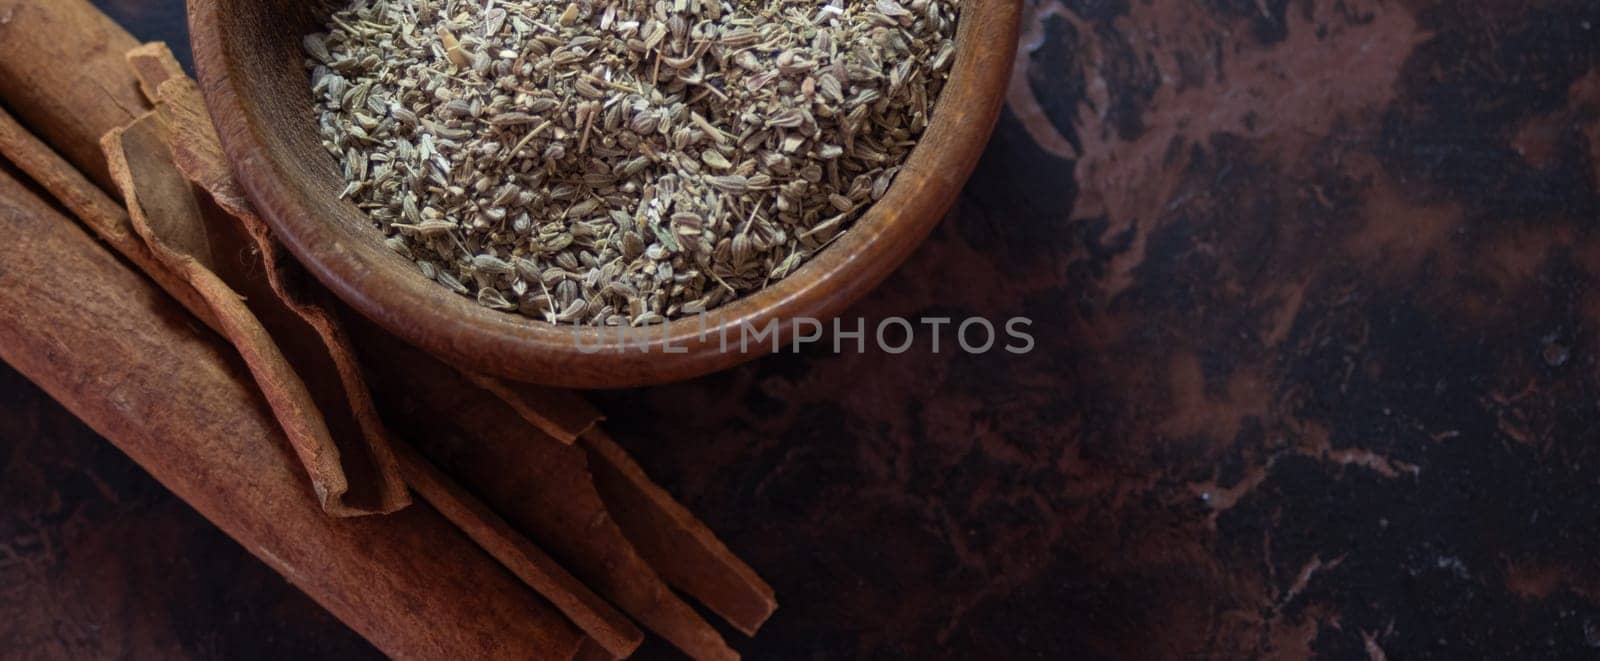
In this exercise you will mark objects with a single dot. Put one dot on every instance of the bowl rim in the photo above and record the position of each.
(510, 345)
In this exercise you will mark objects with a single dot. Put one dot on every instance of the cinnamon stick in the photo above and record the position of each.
(99, 212)
(670, 538)
(193, 143)
(541, 416)
(561, 414)
(330, 422)
(55, 69)
(375, 620)
(673, 541)
(537, 484)
(607, 628)
(681, 548)
(120, 355)
(62, 74)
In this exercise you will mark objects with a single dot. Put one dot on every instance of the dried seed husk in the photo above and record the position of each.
(630, 115)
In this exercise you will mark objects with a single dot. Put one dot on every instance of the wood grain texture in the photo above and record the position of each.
(248, 55)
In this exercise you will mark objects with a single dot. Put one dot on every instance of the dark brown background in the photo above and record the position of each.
(1314, 289)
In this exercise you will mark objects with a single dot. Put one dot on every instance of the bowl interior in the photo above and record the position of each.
(250, 60)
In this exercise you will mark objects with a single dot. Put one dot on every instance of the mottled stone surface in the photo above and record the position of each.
(1314, 293)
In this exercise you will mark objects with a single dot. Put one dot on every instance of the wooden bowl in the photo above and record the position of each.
(249, 58)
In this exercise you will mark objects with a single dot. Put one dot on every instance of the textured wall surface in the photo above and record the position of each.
(1314, 292)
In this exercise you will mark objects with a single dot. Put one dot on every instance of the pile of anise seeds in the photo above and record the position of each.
(609, 162)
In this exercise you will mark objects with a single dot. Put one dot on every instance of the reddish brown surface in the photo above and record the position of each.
(1314, 286)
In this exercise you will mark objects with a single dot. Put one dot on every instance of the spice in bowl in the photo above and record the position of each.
(623, 161)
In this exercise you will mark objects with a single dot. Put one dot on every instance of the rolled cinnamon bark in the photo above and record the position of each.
(675, 543)
(56, 72)
(62, 73)
(351, 469)
(289, 344)
(614, 634)
(539, 485)
(93, 207)
(561, 414)
(670, 539)
(122, 356)
(158, 161)
(72, 31)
